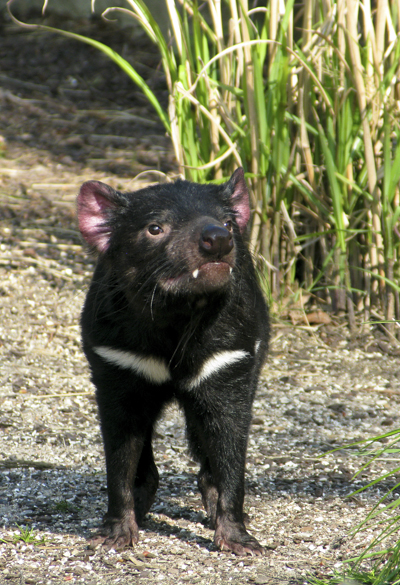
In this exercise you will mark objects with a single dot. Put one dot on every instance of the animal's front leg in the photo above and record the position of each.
(127, 411)
(218, 432)
(228, 468)
(120, 526)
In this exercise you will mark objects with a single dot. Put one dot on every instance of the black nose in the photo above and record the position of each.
(216, 240)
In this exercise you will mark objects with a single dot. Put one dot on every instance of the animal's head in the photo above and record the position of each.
(180, 237)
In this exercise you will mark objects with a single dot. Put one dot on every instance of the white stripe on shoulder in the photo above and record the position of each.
(214, 364)
(154, 369)
(257, 345)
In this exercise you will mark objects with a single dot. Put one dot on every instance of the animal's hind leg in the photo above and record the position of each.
(205, 481)
(146, 481)
(209, 492)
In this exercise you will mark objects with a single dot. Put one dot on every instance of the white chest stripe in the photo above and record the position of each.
(214, 364)
(154, 369)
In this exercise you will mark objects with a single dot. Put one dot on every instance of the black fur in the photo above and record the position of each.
(174, 287)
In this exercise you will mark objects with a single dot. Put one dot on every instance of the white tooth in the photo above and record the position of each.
(195, 273)
(230, 270)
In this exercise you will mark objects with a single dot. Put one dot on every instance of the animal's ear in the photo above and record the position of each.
(95, 203)
(239, 196)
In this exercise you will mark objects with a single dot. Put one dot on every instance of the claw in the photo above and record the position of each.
(234, 537)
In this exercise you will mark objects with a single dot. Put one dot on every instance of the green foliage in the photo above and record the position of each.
(64, 507)
(384, 516)
(352, 577)
(27, 535)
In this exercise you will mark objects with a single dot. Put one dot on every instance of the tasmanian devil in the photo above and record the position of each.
(174, 312)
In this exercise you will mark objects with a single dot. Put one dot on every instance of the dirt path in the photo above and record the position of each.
(320, 388)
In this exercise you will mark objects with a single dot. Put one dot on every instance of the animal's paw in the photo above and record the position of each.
(117, 533)
(234, 537)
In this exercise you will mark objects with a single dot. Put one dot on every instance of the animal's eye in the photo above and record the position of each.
(155, 229)
(228, 225)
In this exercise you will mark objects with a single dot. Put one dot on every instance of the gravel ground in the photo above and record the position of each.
(320, 388)
(318, 391)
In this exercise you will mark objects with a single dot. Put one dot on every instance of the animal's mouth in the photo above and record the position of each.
(212, 268)
(209, 276)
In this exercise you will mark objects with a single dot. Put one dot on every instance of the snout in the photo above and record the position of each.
(208, 251)
(215, 241)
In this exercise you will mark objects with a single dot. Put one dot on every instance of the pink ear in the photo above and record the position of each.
(240, 198)
(94, 202)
